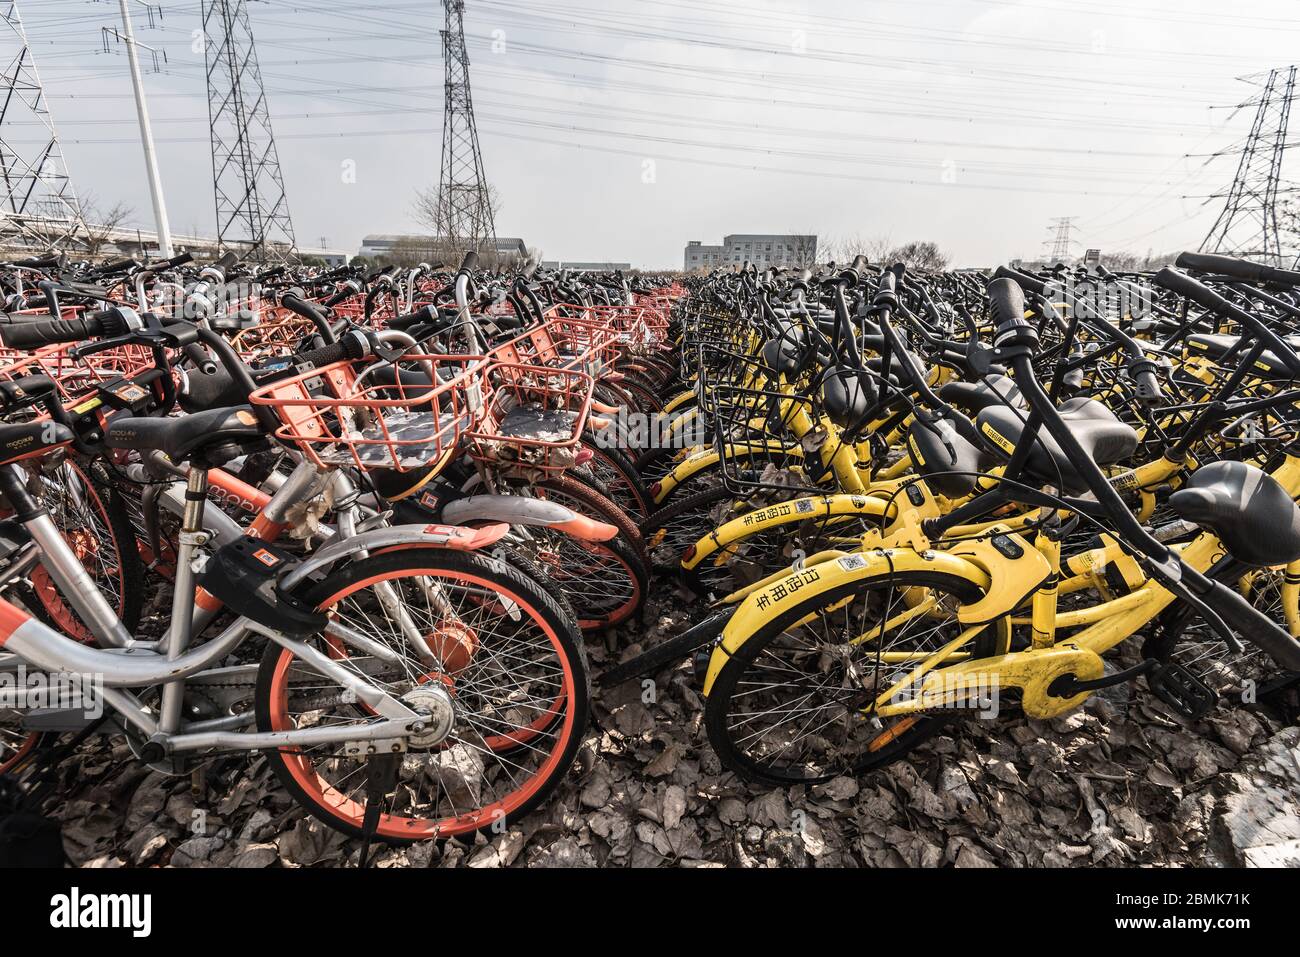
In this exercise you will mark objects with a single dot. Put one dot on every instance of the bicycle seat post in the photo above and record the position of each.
(192, 537)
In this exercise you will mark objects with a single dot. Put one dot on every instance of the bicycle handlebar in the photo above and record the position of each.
(1026, 282)
(1236, 268)
(98, 325)
(1187, 287)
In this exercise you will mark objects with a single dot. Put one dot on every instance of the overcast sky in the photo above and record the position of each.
(620, 129)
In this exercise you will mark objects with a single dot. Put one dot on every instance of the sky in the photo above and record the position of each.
(618, 130)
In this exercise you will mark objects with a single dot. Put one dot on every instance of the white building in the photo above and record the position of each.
(761, 249)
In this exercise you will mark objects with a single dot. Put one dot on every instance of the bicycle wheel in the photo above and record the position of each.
(1183, 637)
(790, 705)
(620, 478)
(676, 527)
(92, 516)
(16, 745)
(516, 669)
(605, 582)
(585, 498)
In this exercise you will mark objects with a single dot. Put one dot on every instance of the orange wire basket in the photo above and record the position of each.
(534, 419)
(563, 343)
(362, 414)
(75, 378)
(279, 334)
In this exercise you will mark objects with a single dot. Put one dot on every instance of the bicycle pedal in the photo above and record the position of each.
(1177, 687)
(244, 575)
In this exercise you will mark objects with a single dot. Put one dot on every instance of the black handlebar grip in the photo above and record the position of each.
(295, 302)
(325, 355)
(530, 270)
(225, 262)
(470, 262)
(354, 345)
(184, 259)
(1026, 282)
(1145, 381)
(114, 268)
(33, 335)
(344, 293)
(1236, 268)
(1007, 305)
(39, 262)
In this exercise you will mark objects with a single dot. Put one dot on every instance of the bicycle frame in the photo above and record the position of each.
(169, 662)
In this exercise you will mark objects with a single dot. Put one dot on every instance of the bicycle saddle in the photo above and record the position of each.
(1104, 437)
(31, 438)
(949, 445)
(974, 397)
(1247, 508)
(784, 353)
(216, 436)
(847, 395)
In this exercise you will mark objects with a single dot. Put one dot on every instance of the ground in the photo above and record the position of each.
(1121, 782)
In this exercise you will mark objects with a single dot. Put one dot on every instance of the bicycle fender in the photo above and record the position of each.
(708, 457)
(517, 510)
(400, 536)
(794, 512)
(762, 606)
(679, 400)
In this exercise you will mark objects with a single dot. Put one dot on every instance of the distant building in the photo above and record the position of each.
(331, 257)
(761, 249)
(573, 266)
(383, 244)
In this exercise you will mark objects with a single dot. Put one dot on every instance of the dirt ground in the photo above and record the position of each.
(1122, 782)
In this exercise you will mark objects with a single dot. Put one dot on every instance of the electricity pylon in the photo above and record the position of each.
(40, 209)
(252, 209)
(465, 217)
(1248, 224)
(1060, 251)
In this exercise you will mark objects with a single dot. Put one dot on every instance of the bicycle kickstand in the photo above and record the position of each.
(381, 781)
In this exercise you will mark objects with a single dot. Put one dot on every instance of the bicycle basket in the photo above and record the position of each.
(375, 415)
(754, 437)
(534, 418)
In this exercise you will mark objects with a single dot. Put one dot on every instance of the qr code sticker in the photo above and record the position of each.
(804, 505)
(851, 563)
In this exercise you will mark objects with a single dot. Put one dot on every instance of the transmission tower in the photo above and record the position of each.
(40, 208)
(1248, 225)
(465, 217)
(252, 211)
(1060, 251)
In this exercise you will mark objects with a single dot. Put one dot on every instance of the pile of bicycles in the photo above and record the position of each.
(387, 510)
(382, 506)
(927, 497)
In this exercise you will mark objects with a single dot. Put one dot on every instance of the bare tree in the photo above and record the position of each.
(843, 249)
(803, 250)
(101, 223)
(1136, 262)
(429, 211)
(919, 254)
